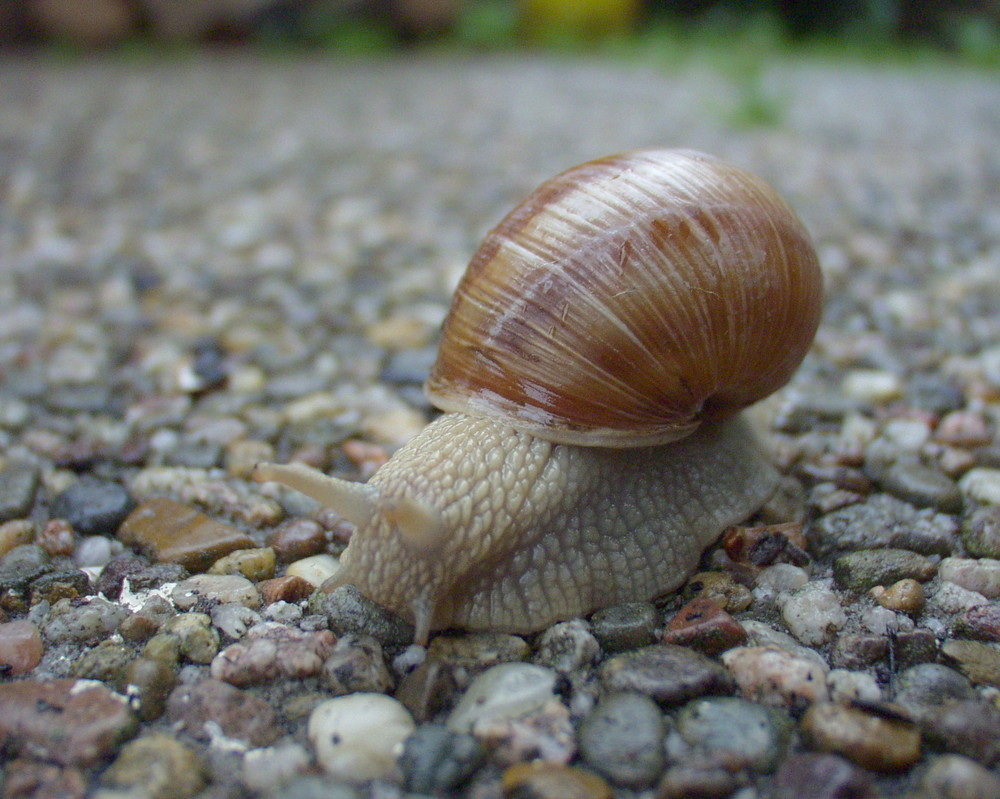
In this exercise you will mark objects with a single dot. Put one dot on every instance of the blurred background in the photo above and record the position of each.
(967, 29)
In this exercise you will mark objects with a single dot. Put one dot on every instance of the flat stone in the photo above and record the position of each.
(205, 590)
(776, 677)
(820, 775)
(70, 722)
(741, 731)
(877, 742)
(93, 506)
(978, 661)
(21, 647)
(922, 486)
(60, 584)
(359, 737)
(349, 611)
(981, 575)
(474, 653)
(238, 714)
(622, 739)
(106, 662)
(627, 626)
(669, 674)
(861, 571)
(541, 780)
(171, 532)
(156, 765)
(703, 626)
(505, 691)
(18, 484)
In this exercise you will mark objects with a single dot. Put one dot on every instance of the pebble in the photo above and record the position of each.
(982, 484)
(705, 627)
(94, 551)
(15, 533)
(883, 521)
(813, 614)
(18, 484)
(155, 765)
(622, 739)
(198, 641)
(978, 661)
(765, 545)
(172, 532)
(981, 575)
(26, 778)
(904, 596)
(871, 386)
(669, 674)
(296, 539)
(846, 686)
(284, 612)
(359, 737)
(271, 651)
(863, 570)
(820, 775)
(205, 590)
(436, 760)
(740, 731)
(627, 626)
(356, 665)
(315, 569)
(473, 653)
(981, 622)
(21, 648)
(776, 677)
(540, 780)
(270, 769)
(546, 733)
(148, 683)
(237, 714)
(70, 722)
(348, 611)
(721, 588)
(505, 691)
(234, 619)
(966, 727)
(106, 662)
(957, 777)
(922, 689)
(701, 776)
(254, 564)
(86, 621)
(93, 506)
(981, 532)
(18, 569)
(775, 580)
(288, 588)
(567, 647)
(923, 486)
(427, 690)
(874, 741)
(952, 598)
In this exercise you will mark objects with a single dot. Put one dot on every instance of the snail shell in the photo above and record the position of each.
(630, 298)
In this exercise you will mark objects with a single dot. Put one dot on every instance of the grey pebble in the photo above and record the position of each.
(356, 664)
(234, 619)
(61, 583)
(747, 731)
(922, 486)
(625, 626)
(18, 484)
(348, 611)
(860, 571)
(883, 521)
(436, 759)
(21, 566)
(106, 662)
(93, 506)
(314, 788)
(567, 647)
(923, 688)
(669, 674)
(966, 727)
(622, 739)
(86, 623)
(957, 777)
(821, 776)
(981, 532)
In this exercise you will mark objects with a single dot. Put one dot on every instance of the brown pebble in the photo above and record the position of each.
(57, 537)
(149, 684)
(21, 647)
(720, 588)
(296, 539)
(238, 714)
(430, 687)
(254, 564)
(541, 780)
(284, 589)
(878, 742)
(703, 625)
(981, 622)
(32, 779)
(15, 533)
(978, 661)
(963, 429)
(905, 596)
(171, 532)
(766, 545)
(65, 721)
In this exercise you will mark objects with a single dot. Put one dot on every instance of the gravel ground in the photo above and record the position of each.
(208, 263)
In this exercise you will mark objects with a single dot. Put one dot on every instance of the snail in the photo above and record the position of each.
(592, 367)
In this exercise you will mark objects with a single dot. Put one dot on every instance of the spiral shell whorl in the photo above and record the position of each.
(629, 299)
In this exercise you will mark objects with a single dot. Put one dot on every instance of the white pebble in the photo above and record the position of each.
(314, 569)
(871, 385)
(221, 587)
(93, 550)
(982, 484)
(813, 614)
(907, 434)
(981, 575)
(266, 769)
(776, 677)
(881, 621)
(506, 691)
(284, 612)
(846, 685)
(777, 579)
(952, 598)
(359, 737)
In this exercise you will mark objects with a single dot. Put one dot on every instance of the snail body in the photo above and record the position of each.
(592, 366)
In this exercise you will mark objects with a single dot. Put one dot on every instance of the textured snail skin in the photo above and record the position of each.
(593, 365)
(533, 532)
